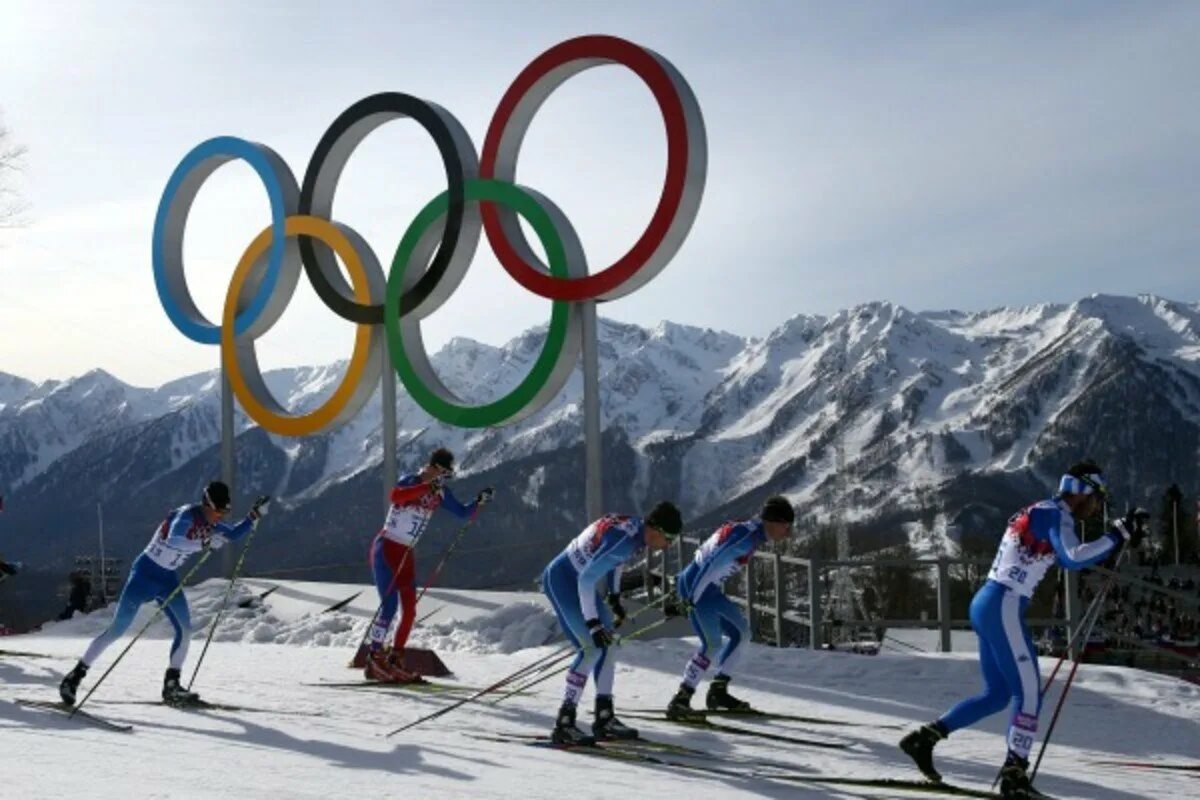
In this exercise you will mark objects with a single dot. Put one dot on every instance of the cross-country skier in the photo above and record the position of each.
(698, 594)
(1036, 537)
(599, 553)
(393, 562)
(154, 576)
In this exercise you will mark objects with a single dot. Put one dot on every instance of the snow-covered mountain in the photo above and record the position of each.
(940, 417)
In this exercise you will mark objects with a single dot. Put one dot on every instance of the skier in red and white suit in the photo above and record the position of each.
(393, 562)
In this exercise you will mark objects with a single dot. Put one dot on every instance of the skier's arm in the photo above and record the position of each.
(735, 546)
(451, 504)
(1073, 554)
(235, 532)
(599, 567)
(613, 582)
(408, 494)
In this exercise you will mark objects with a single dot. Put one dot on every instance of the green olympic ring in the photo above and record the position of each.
(559, 352)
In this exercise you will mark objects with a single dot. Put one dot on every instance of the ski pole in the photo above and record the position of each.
(165, 602)
(392, 582)
(1092, 610)
(497, 685)
(1088, 614)
(445, 557)
(1066, 688)
(570, 650)
(551, 674)
(237, 570)
(424, 617)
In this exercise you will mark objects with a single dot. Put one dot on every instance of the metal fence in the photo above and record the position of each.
(795, 600)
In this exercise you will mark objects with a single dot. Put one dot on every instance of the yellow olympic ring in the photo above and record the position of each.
(238, 354)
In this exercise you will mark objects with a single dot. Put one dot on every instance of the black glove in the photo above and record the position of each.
(614, 602)
(601, 636)
(259, 509)
(10, 568)
(676, 606)
(485, 496)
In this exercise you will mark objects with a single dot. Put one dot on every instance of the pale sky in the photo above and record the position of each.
(939, 155)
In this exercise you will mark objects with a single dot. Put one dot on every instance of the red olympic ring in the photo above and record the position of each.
(684, 184)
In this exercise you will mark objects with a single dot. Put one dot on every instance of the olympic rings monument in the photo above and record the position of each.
(431, 258)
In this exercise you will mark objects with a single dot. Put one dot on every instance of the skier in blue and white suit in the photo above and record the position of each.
(1036, 537)
(598, 554)
(712, 614)
(185, 531)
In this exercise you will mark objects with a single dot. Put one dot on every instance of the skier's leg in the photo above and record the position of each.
(559, 582)
(705, 619)
(606, 664)
(736, 630)
(1018, 659)
(986, 620)
(139, 589)
(996, 694)
(385, 584)
(181, 620)
(406, 585)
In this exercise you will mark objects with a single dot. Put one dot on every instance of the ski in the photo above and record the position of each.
(892, 784)
(25, 654)
(204, 705)
(428, 687)
(1151, 765)
(702, 723)
(605, 750)
(251, 602)
(338, 606)
(614, 751)
(73, 713)
(754, 713)
(648, 744)
(672, 749)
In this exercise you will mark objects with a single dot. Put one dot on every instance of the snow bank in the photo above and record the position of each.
(249, 619)
(507, 630)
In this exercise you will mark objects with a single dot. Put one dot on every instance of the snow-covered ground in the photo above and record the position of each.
(322, 742)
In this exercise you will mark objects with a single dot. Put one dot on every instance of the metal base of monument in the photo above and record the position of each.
(425, 663)
(416, 659)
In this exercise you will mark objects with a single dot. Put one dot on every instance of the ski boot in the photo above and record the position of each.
(173, 694)
(70, 683)
(565, 732)
(1014, 780)
(395, 659)
(718, 696)
(919, 745)
(680, 707)
(606, 725)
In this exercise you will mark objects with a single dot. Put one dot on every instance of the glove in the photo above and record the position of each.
(259, 509)
(614, 602)
(676, 606)
(601, 636)
(485, 496)
(217, 541)
(10, 568)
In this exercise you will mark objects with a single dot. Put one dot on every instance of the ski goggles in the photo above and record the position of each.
(1087, 484)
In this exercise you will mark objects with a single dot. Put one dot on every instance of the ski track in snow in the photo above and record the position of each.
(261, 659)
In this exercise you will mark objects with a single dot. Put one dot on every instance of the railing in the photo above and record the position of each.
(789, 606)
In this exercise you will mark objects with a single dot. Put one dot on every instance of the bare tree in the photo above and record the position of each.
(12, 156)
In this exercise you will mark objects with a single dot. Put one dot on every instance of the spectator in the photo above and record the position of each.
(81, 591)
